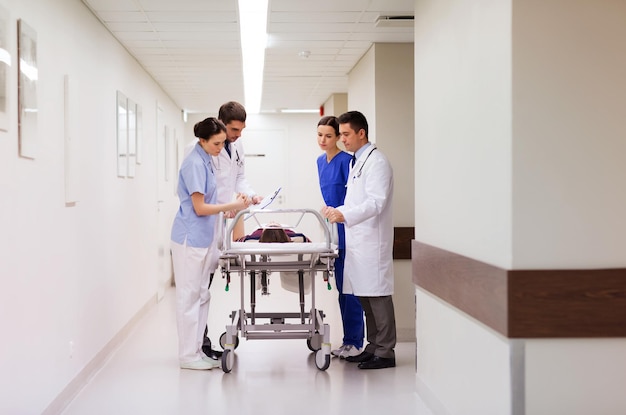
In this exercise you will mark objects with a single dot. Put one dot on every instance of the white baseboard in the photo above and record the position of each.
(84, 376)
(429, 398)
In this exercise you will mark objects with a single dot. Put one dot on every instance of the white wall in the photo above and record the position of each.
(362, 90)
(463, 185)
(569, 159)
(336, 104)
(575, 376)
(463, 366)
(72, 273)
(394, 116)
(463, 133)
(520, 160)
(569, 151)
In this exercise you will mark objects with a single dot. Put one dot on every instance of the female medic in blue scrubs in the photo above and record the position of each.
(333, 167)
(192, 241)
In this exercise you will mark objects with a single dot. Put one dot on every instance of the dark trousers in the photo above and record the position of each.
(380, 322)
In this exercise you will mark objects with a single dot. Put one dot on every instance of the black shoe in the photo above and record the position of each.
(213, 354)
(363, 357)
(377, 362)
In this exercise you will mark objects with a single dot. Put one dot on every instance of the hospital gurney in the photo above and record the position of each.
(254, 259)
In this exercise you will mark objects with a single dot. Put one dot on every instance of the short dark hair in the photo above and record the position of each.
(232, 111)
(208, 127)
(356, 120)
(331, 121)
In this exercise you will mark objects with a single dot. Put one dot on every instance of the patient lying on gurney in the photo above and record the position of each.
(275, 233)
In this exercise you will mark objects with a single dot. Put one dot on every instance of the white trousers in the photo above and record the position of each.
(192, 274)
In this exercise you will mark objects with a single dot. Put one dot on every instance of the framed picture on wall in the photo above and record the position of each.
(27, 89)
(71, 141)
(122, 135)
(132, 137)
(175, 163)
(5, 64)
(166, 153)
(139, 116)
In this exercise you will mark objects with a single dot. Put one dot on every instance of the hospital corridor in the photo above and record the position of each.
(269, 377)
(465, 161)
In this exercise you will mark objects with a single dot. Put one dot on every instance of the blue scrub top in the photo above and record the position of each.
(195, 176)
(333, 177)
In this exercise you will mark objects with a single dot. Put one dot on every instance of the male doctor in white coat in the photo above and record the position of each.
(367, 216)
(229, 169)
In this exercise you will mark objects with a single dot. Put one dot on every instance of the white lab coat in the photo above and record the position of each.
(367, 210)
(231, 173)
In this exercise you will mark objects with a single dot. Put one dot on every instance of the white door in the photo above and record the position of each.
(266, 167)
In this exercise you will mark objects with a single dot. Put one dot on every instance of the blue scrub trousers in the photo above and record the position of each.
(350, 307)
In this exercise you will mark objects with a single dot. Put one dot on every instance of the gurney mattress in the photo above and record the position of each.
(271, 248)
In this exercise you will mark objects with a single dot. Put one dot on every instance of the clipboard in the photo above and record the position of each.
(267, 200)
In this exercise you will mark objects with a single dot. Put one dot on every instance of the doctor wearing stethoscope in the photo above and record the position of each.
(229, 168)
(229, 164)
(367, 216)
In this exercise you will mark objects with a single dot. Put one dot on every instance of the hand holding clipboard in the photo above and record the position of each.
(268, 199)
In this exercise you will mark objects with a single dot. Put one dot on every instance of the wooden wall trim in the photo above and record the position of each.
(474, 287)
(402, 240)
(567, 303)
(526, 303)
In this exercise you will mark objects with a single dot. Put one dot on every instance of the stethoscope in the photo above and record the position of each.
(358, 173)
(215, 161)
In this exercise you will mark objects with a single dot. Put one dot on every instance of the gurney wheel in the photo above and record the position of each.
(314, 343)
(223, 341)
(322, 360)
(228, 360)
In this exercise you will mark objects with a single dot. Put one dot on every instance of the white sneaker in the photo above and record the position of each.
(200, 365)
(214, 362)
(346, 350)
(337, 352)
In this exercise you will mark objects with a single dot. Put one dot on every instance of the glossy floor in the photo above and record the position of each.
(268, 377)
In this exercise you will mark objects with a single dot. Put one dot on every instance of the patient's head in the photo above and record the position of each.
(273, 234)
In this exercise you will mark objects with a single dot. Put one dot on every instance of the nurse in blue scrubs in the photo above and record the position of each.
(192, 241)
(333, 167)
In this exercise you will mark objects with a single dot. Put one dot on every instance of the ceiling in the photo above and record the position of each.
(192, 47)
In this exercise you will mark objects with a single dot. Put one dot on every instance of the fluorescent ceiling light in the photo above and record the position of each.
(253, 30)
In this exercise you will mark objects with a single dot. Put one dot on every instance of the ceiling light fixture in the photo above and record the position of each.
(253, 32)
(395, 21)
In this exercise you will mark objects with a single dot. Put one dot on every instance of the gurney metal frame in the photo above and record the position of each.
(248, 259)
